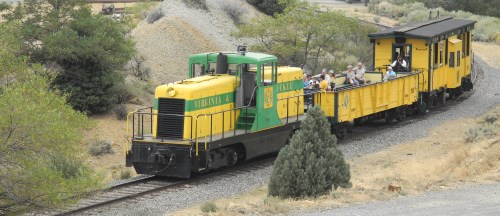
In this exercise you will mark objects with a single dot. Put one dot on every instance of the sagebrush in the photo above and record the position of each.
(198, 4)
(235, 9)
(154, 15)
(121, 112)
(209, 207)
(100, 147)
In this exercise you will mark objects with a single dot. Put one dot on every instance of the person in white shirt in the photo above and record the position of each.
(350, 77)
(399, 65)
(360, 73)
(323, 72)
(390, 74)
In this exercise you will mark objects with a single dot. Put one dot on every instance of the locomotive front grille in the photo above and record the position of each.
(170, 118)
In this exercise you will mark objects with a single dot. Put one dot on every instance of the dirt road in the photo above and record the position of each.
(474, 200)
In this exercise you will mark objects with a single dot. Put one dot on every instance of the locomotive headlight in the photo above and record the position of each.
(171, 92)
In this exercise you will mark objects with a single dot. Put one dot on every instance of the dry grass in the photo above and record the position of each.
(427, 164)
(488, 52)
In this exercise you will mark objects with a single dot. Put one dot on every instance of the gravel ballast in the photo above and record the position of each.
(486, 95)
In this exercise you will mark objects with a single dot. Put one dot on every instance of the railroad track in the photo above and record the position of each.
(151, 185)
(121, 192)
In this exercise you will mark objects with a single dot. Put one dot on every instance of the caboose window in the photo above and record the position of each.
(436, 55)
(458, 58)
(446, 53)
(441, 53)
(452, 59)
(468, 43)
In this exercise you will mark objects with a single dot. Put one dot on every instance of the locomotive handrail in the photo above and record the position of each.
(210, 115)
(131, 116)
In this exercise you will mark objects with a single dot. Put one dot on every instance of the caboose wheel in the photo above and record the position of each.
(441, 98)
(390, 115)
(401, 113)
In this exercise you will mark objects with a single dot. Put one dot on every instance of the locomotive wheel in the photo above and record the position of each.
(235, 157)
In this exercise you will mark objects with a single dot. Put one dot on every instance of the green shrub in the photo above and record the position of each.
(269, 7)
(138, 67)
(376, 19)
(69, 169)
(121, 112)
(122, 93)
(209, 207)
(234, 9)
(311, 165)
(100, 147)
(125, 174)
(490, 119)
(154, 15)
(198, 4)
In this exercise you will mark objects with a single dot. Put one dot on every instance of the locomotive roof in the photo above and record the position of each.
(426, 29)
(249, 57)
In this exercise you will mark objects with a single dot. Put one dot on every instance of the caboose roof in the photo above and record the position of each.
(428, 29)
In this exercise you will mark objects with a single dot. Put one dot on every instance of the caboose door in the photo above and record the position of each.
(403, 50)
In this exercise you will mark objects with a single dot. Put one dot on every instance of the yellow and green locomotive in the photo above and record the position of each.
(234, 106)
(240, 105)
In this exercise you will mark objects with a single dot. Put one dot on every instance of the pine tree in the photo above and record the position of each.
(311, 165)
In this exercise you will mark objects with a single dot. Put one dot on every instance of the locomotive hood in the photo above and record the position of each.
(200, 92)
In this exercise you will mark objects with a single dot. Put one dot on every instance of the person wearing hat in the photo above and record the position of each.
(390, 74)
(399, 64)
(327, 78)
(332, 80)
(360, 73)
(350, 77)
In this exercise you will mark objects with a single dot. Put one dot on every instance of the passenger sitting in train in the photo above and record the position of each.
(332, 80)
(306, 81)
(399, 65)
(390, 74)
(327, 78)
(360, 73)
(323, 85)
(350, 77)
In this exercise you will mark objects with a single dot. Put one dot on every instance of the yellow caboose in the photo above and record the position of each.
(440, 49)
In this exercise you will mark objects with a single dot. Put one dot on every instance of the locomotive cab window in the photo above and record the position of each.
(231, 69)
(197, 70)
(268, 72)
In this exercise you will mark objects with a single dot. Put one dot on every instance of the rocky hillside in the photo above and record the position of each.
(183, 31)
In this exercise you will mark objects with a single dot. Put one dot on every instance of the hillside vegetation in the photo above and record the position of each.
(487, 28)
(41, 164)
(301, 36)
